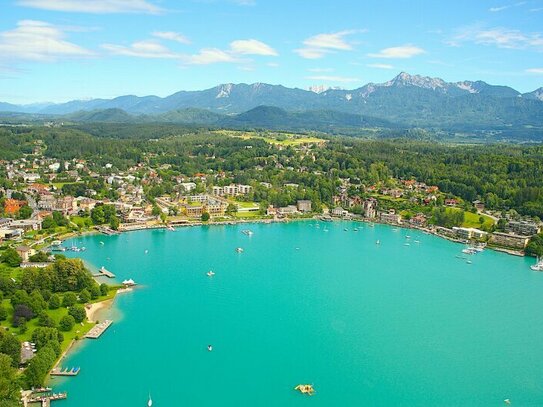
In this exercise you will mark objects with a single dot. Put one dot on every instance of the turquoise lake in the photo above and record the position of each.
(376, 325)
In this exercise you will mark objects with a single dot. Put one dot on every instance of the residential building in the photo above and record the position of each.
(469, 233)
(390, 217)
(25, 252)
(370, 208)
(26, 224)
(304, 205)
(523, 227)
(509, 240)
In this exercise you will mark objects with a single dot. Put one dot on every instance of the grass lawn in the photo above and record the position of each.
(243, 204)
(285, 139)
(471, 220)
(247, 215)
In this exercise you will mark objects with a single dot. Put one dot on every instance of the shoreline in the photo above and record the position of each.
(139, 227)
(94, 308)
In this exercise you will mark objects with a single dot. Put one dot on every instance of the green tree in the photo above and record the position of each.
(78, 312)
(11, 257)
(205, 217)
(9, 389)
(39, 257)
(95, 291)
(69, 299)
(84, 296)
(54, 301)
(25, 212)
(66, 323)
(163, 217)
(44, 319)
(104, 289)
(231, 209)
(114, 222)
(3, 313)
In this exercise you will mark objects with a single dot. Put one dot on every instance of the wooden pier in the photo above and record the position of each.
(45, 400)
(65, 372)
(97, 330)
(103, 272)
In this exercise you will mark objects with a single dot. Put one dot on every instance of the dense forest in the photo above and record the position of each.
(503, 176)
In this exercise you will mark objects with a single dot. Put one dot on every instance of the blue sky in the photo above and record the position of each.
(58, 50)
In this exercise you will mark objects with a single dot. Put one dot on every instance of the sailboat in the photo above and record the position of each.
(150, 402)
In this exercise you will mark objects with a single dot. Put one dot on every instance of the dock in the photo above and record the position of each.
(97, 330)
(45, 400)
(104, 272)
(106, 231)
(65, 372)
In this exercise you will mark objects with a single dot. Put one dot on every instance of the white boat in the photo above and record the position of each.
(469, 250)
(210, 273)
(209, 348)
(378, 242)
(247, 232)
(101, 242)
(170, 228)
(239, 250)
(538, 266)
(150, 402)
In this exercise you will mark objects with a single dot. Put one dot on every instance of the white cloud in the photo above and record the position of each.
(171, 36)
(505, 7)
(499, 37)
(94, 6)
(401, 52)
(329, 78)
(208, 56)
(251, 47)
(142, 49)
(38, 41)
(380, 66)
(496, 9)
(538, 71)
(321, 44)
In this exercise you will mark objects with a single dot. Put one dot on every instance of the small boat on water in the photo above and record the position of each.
(469, 250)
(209, 348)
(345, 229)
(170, 228)
(210, 273)
(378, 242)
(407, 237)
(539, 265)
(101, 242)
(305, 389)
(146, 251)
(355, 230)
(150, 401)
(247, 232)
(239, 250)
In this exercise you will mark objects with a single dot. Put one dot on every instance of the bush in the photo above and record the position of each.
(45, 320)
(66, 323)
(104, 289)
(3, 313)
(95, 291)
(39, 257)
(69, 299)
(84, 296)
(20, 313)
(54, 301)
(11, 258)
(78, 312)
(205, 217)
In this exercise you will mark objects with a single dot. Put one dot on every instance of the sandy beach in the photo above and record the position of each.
(93, 309)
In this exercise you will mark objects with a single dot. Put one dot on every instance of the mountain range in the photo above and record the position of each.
(406, 100)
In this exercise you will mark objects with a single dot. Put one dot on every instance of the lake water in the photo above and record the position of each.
(367, 324)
